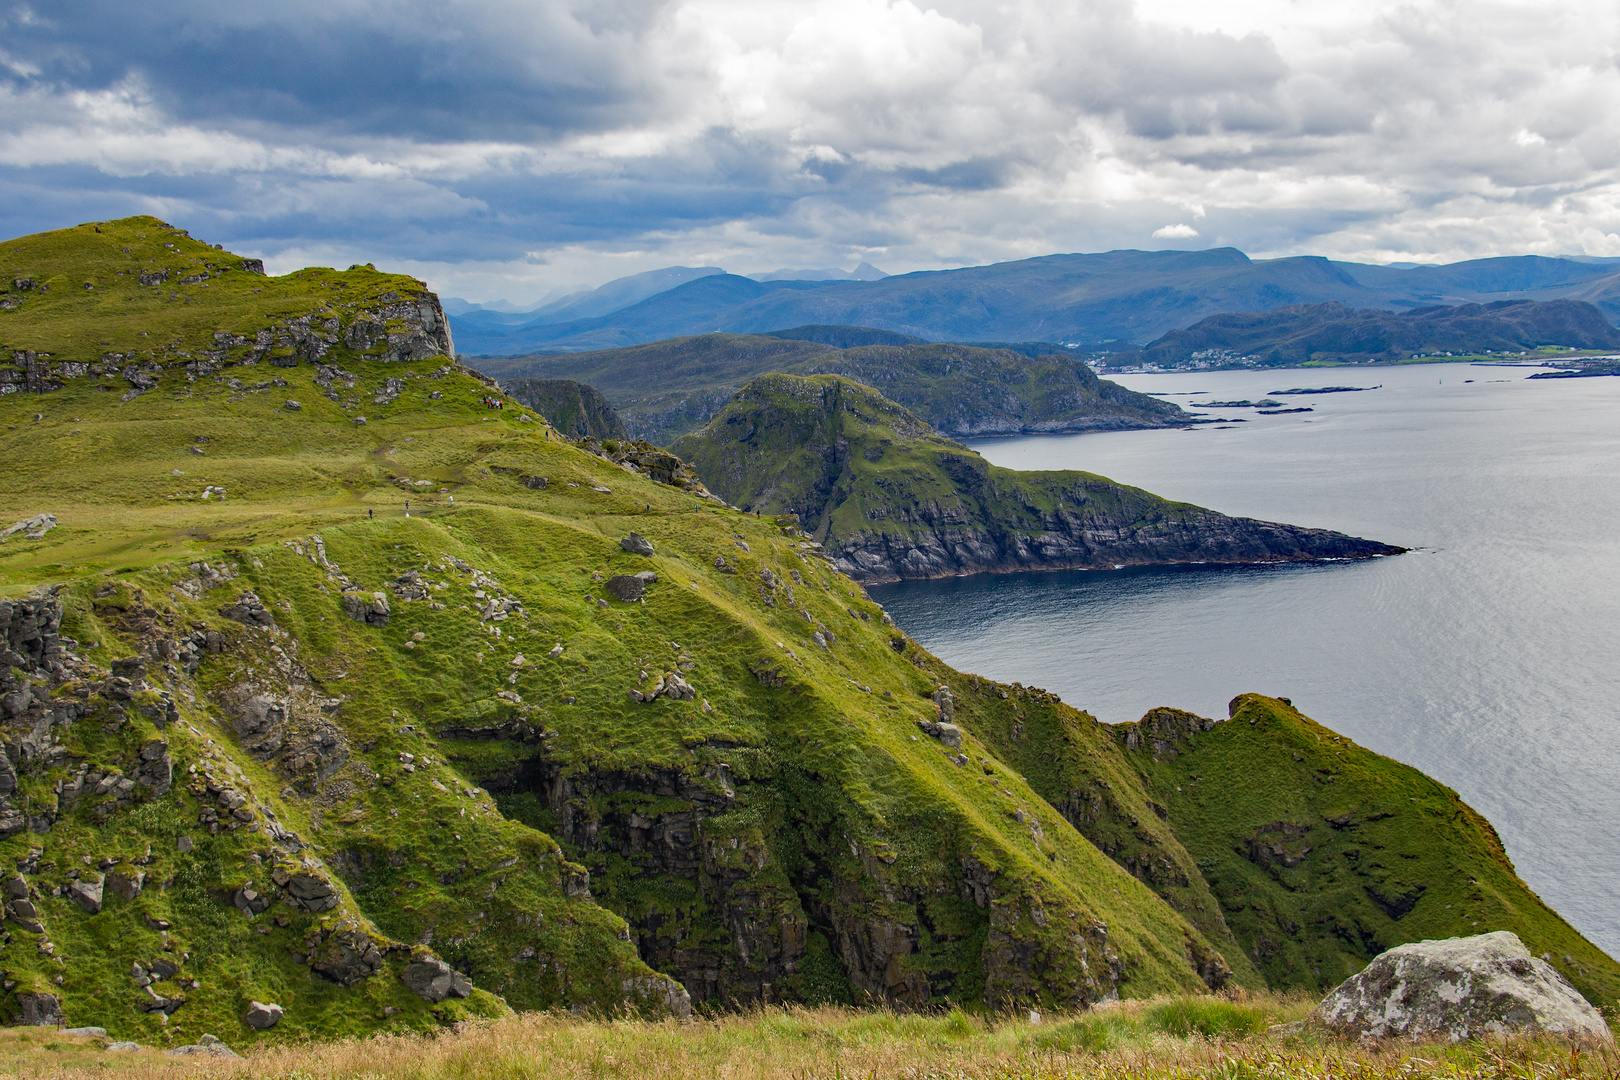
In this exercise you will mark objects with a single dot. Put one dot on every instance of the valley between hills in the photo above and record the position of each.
(338, 680)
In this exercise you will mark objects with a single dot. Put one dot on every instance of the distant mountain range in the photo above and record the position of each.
(665, 389)
(1110, 300)
(1293, 335)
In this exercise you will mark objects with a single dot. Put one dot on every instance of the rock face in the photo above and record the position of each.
(1459, 988)
(369, 608)
(890, 499)
(39, 1010)
(433, 980)
(576, 409)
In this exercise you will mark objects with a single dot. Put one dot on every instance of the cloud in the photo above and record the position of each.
(1174, 232)
(552, 143)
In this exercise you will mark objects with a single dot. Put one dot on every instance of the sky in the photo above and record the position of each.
(514, 149)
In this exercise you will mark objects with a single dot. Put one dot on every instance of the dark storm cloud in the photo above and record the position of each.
(410, 68)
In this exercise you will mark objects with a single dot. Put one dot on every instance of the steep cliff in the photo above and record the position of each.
(891, 499)
(573, 408)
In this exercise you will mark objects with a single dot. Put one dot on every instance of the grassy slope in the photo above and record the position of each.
(1327, 854)
(424, 851)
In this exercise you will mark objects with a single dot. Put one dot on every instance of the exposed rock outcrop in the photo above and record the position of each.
(575, 409)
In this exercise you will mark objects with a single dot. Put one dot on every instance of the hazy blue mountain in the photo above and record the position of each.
(847, 337)
(1086, 302)
(1289, 336)
(864, 272)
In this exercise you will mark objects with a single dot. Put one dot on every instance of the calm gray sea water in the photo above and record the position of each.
(1486, 657)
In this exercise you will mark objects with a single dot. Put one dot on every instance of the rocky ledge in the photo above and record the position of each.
(1074, 540)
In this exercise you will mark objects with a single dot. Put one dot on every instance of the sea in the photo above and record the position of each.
(1488, 656)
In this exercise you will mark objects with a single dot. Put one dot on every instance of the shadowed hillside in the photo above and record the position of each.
(668, 388)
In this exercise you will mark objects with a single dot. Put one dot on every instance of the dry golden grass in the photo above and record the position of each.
(1129, 1043)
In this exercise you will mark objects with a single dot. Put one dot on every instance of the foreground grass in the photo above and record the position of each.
(1169, 1038)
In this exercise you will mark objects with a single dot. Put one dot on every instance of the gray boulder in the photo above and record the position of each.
(1459, 988)
(630, 587)
(87, 894)
(261, 1016)
(206, 1044)
(87, 1032)
(948, 734)
(433, 980)
(636, 544)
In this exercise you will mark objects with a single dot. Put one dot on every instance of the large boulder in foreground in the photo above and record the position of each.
(1459, 988)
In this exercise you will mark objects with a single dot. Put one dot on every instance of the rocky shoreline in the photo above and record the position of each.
(877, 558)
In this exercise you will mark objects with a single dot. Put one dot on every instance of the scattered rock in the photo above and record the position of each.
(122, 1047)
(37, 526)
(294, 406)
(346, 956)
(948, 734)
(635, 544)
(1459, 988)
(87, 1032)
(248, 610)
(261, 1016)
(630, 587)
(946, 704)
(556, 651)
(433, 980)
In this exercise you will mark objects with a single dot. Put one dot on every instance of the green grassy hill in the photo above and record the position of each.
(332, 686)
(671, 388)
(892, 499)
(1325, 854)
(378, 737)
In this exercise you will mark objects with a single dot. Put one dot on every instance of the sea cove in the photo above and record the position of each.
(1482, 657)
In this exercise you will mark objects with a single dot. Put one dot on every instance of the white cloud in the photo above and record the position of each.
(761, 133)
